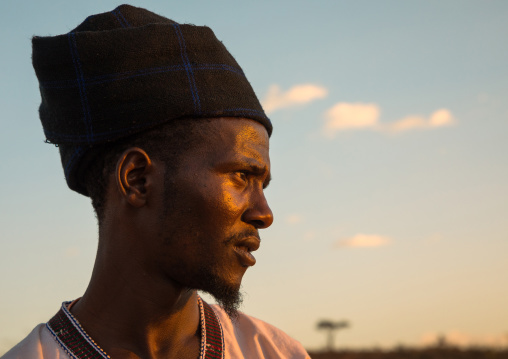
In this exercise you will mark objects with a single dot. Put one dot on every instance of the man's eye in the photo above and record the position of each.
(242, 175)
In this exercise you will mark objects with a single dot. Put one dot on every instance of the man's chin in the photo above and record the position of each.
(227, 295)
(230, 303)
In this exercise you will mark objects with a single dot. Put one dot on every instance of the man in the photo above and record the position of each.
(157, 124)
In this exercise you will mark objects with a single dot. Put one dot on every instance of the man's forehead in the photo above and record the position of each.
(239, 140)
(245, 137)
(242, 130)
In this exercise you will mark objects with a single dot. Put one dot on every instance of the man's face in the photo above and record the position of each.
(213, 207)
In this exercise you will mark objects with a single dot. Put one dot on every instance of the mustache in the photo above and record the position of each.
(237, 237)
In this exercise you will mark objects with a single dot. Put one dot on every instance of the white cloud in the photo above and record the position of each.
(363, 241)
(441, 117)
(365, 116)
(294, 219)
(438, 118)
(457, 338)
(296, 95)
(407, 123)
(351, 116)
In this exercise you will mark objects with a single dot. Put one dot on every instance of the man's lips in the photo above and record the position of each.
(243, 249)
(251, 244)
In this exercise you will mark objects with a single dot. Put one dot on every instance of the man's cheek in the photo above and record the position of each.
(231, 206)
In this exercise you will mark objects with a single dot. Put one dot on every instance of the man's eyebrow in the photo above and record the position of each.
(259, 170)
(256, 168)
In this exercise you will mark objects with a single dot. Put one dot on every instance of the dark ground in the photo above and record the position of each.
(428, 353)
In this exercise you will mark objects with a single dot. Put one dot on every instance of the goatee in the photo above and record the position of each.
(227, 296)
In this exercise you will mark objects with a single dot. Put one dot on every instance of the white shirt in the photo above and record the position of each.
(247, 337)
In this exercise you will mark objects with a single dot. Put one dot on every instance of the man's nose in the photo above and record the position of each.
(259, 213)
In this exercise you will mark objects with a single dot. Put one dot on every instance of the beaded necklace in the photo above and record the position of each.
(73, 339)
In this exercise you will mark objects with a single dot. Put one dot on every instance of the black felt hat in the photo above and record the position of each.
(125, 71)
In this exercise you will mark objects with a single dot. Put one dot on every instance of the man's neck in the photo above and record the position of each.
(152, 319)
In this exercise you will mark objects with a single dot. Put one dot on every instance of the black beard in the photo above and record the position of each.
(227, 296)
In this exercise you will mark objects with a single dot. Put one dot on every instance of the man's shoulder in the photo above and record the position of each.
(251, 337)
(39, 344)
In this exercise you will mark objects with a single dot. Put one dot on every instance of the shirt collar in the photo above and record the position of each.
(73, 339)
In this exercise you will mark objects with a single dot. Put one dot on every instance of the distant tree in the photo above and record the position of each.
(331, 327)
(441, 341)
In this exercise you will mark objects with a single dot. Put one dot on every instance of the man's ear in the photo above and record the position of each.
(133, 175)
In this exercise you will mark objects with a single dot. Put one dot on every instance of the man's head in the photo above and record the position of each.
(156, 122)
(199, 216)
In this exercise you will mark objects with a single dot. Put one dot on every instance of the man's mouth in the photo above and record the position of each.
(244, 248)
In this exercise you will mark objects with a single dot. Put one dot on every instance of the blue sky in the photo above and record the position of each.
(389, 156)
